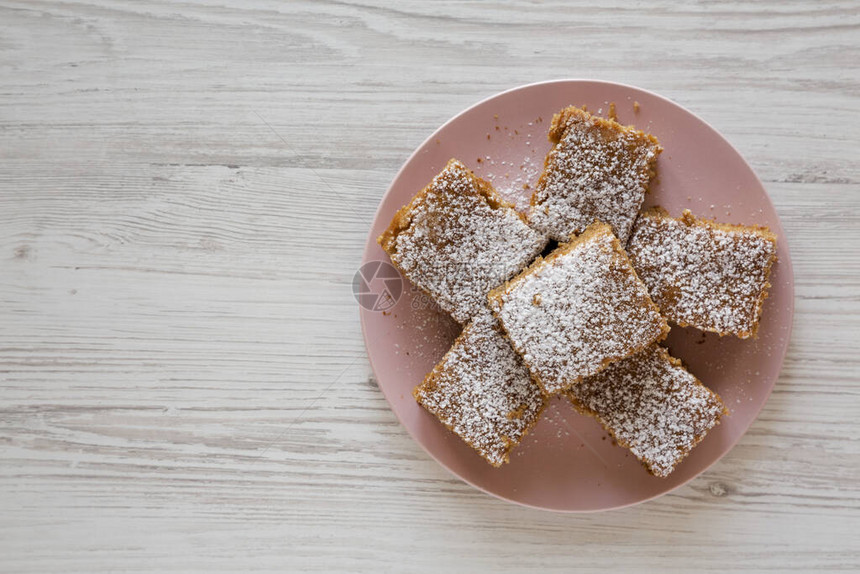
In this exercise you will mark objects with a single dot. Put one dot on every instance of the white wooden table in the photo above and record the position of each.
(185, 192)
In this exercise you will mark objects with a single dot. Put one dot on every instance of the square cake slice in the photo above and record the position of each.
(578, 310)
(703, 274)
(597, 169)
(652, 405)
(482, 391)
(457, 239)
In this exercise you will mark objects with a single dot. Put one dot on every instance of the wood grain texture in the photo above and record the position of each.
(185, 193)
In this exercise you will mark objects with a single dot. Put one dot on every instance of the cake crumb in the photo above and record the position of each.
(635, 106)
(612, 115)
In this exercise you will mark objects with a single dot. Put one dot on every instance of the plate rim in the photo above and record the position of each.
(787, 263)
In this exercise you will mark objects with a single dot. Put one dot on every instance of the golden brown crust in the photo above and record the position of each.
(562, 119)
(399, 222)
(691, 220)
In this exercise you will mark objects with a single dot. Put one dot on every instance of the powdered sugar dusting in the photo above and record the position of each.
(457, 240)
(581, 308)
(517, 181)
(597, 169)
(652, 405)
(482, 391)
(701, 274)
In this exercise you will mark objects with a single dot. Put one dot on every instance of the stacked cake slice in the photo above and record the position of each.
(457, 239)
(482, 391)
(585, 321)
(578, 310)
(652, 405)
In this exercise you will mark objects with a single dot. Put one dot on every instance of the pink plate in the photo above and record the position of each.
(567, 463)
